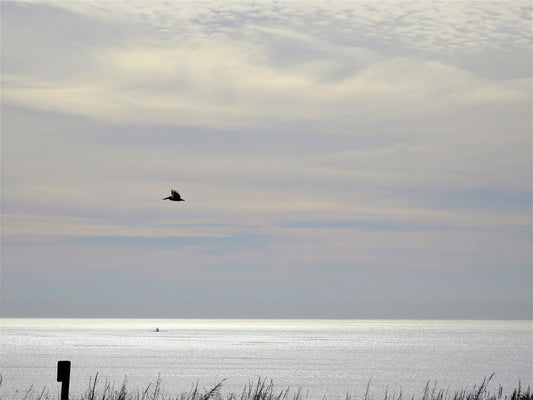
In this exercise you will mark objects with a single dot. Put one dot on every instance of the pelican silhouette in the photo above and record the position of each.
(174, 197)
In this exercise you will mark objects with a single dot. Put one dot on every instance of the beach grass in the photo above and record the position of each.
(264, 389)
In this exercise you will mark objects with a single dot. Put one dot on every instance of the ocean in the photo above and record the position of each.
(325, 358)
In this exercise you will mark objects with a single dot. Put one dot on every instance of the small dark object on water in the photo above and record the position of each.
(174, 197)
(157, 329)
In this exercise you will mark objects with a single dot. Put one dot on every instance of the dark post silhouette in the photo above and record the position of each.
(63, 376)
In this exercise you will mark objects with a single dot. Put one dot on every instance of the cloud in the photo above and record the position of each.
(224, 79)
(439, 26)
(82, 177)
(367, 225)
(354, 143)
(220, 85)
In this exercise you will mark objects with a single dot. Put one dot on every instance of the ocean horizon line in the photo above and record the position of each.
(265, 319)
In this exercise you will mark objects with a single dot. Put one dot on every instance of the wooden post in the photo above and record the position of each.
(63, 376)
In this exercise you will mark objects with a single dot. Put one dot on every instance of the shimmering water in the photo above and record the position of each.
(324, 357)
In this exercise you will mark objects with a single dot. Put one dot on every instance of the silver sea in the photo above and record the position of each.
(323, 357)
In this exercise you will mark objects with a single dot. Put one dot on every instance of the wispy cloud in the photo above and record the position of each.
(340, 142)
(184, 83)
(236, 77)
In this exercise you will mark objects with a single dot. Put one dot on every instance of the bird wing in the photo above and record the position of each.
(175, 194)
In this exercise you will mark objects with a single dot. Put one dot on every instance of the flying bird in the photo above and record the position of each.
(175, 196)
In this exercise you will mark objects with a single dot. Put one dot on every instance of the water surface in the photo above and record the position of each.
(324, 357)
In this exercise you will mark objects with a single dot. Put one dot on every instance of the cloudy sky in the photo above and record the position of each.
(338, 159)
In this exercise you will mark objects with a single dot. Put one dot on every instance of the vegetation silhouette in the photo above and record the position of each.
(264, 389)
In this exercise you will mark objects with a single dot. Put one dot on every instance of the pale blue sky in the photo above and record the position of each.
(338, 159)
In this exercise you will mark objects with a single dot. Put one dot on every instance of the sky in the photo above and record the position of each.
(338, 159)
